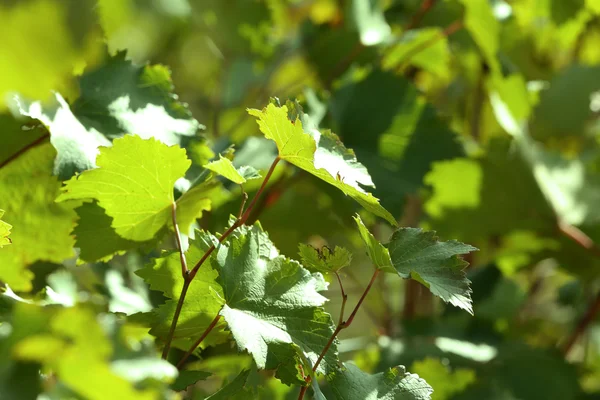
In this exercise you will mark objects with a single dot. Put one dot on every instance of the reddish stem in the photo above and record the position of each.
(341, 325)
(424, 9)
(593, 309)
(197, 343)
(184, 268)
(24, 149)
(189, 276)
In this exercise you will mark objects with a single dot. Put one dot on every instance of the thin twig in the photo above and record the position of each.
(197, 343)
(593, 309)
(184, 289)
(191, 274)
(452, 28)
(184, 268)
(586, 320)
(341, 325)
(424, 9)
(16, 155)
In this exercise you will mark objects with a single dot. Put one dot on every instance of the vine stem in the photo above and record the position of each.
(451, 29)
(191, 274)
(23, 150)
(593, 309)
(424, 9)
(197, 343)
(184, 268)
(342, 324)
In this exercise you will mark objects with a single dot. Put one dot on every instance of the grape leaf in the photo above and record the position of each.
(4, 231)
(273, 305)
(324, 260)
(203, 301)
(120, 97)
(27, 190)
(319, 153)
(134, 185)
(378, 253)
(223, 166)
(115, 99)
(418, 254)
(95, 237)
(76, 146)
(393, 384)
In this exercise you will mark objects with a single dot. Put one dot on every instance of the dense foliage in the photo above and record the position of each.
(287, 199)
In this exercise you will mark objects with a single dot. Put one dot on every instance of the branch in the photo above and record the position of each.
(191, 274)
(452, 28)
(587, 243)
(184, 268)
(197, 343)
(424, 9)
(24, 149)
(342, 324)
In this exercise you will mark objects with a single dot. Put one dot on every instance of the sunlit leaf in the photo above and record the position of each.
(321, 154)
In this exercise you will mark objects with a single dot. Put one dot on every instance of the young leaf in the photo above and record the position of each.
(4, 231)
(319, 153)
(324, 260)
(273, 306)
(223, 166)
(419, 255)
(134, 185)
(394, 384)
(27, 190)
(378, 253)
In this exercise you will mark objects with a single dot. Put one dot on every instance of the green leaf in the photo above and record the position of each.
(378, 253)
(319, 153)
(232, 388)
(324, 260)
(223, 166)
(76, 146)
(187, 378)
(566, 106)
(393, 384)
(420, 255)
(134, 185)
(273, 306)
(95, 236)
(28, 190)
(4, 231)
(202, 303)
(442, 178)
(484, 29)
(115, 99)
(447, 382)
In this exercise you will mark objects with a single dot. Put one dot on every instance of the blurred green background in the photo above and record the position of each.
(477, 119)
